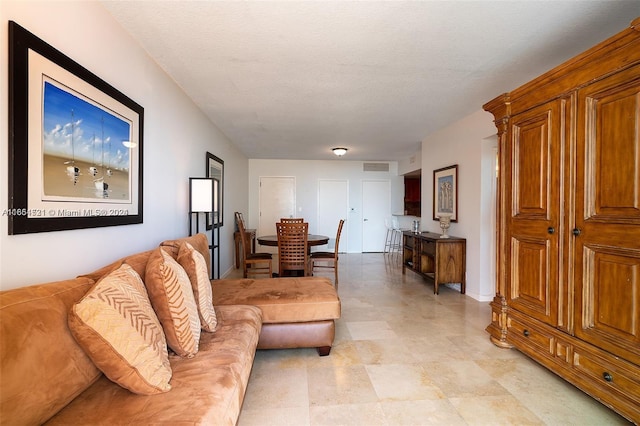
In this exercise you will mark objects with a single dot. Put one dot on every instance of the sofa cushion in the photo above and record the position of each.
(172, 299)
(207, 389)
(196, 268)
(42, 367)
(282, 300)
(115, 324)
(198, 242)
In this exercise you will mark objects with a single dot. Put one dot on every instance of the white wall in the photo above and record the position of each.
(307, 174)
(176, 138)
(464, 143)
(411, 164)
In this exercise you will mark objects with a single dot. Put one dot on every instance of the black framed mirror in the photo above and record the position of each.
(215, 170)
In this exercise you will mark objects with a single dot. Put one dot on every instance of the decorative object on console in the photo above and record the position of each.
(74, 181)
(445, 222)
(445, 193)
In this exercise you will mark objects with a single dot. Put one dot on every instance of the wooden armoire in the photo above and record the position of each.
(568, 283)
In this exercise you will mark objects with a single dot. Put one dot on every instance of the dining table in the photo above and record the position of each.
(312, 240)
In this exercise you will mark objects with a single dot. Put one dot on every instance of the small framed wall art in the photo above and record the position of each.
(445, 193)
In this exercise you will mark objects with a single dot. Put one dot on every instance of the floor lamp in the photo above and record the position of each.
(200, 200)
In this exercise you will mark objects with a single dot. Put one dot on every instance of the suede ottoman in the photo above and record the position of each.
(296, 312)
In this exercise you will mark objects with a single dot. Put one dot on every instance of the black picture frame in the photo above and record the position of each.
(445, 192)
(215, 170)
(34, 68)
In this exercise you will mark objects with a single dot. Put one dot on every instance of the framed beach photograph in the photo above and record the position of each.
(75, 143)
(445, 193)
(215, 170)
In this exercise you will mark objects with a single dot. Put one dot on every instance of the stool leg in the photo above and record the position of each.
(397, 245)
(387, 241)
(395, 241)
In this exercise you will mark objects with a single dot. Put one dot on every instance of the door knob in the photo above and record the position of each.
(551, 230)
(575, 232)
(366, 220)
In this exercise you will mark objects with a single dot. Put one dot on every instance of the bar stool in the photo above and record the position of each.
(389, 236)
(393, 239)
(397, 238)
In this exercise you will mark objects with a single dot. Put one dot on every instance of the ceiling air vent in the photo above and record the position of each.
(375, 167)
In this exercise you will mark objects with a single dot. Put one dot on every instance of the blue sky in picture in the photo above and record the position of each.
(97, 133)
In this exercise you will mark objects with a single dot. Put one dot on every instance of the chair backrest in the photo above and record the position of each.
(242, 231)
(291, 220)
(338, 236)
(292, 246)
(239, 217)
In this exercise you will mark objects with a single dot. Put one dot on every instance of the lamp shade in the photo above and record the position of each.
(200, 195)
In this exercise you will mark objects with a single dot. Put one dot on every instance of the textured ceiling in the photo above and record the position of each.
(291, 80)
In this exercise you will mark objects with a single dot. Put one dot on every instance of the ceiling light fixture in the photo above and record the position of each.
(339, 151)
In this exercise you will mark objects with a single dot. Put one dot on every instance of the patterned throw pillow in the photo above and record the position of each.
(172, 298)
(117, 327)
(196, 268)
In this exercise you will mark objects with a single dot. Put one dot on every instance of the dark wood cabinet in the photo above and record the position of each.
(440, 260)
(568, 282)
(412, 196)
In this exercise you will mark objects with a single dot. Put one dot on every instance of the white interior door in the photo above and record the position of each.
(277, 199)
(333, 205)
(376, 206)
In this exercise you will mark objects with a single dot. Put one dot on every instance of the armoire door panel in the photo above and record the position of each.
(532, 278)
(611, 109)
(610, 299)
(534, 228)
(531, 172)
(607, 218)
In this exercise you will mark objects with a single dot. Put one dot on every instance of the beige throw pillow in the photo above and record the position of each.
(117, 327)
(172, 298)
(196, 268)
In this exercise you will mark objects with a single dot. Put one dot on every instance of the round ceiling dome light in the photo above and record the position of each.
(339, 151)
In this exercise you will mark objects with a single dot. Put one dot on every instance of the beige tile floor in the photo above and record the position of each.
(403, 356)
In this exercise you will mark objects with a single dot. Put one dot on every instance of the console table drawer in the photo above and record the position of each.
(428, 247)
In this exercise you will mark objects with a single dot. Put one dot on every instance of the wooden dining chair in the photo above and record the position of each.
(291, 220)
(252, 263)
(327, 259)
(293, 255)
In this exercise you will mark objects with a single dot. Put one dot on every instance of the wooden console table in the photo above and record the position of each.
(441, 260)
(251, 236)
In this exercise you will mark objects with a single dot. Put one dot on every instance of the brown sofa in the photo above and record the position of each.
(46, 377)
